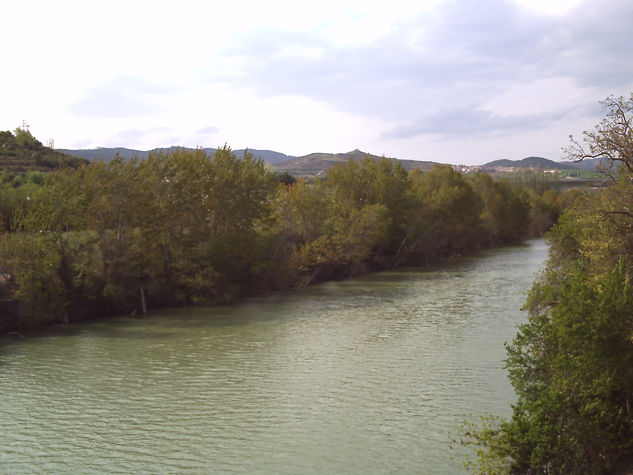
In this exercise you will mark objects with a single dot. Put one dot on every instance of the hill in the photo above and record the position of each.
(316, 164)
(592, 164)
(22, 153)
(106, 154)
(531, 162)
(267, 156)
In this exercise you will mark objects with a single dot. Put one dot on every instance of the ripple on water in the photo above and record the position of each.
(364, 375)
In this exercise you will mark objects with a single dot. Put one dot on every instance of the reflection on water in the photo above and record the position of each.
(363, 375)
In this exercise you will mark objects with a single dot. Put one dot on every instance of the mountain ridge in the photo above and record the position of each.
(531, 162)
(107, 154)
(317, 163)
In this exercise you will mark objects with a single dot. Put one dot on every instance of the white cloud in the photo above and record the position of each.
(549, 7)
(541, 96)
(420, 80)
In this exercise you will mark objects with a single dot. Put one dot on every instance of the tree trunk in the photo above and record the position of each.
(143, 307)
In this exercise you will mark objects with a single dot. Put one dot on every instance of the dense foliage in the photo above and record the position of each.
(571, 364)
(184, 227)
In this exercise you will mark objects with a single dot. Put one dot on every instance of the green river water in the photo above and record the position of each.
(368, 375)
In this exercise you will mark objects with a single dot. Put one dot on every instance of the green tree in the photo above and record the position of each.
(300, 215)
(572, 367)
(571, 364)
(446, 220)
(204, 218)
(374, 181)
(545, 209)
(24, 138)
(505, 213)
(32, 262)
(115, 273)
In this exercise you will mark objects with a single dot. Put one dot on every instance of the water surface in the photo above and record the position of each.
(368, 375)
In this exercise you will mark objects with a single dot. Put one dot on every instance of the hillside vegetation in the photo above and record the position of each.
(22, 153)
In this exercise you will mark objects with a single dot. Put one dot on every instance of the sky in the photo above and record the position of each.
(452, 81)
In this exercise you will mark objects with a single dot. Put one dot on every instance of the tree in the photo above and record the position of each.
(25, 139)
(612, 138)
(204, 215)
(572, 367)
(300, 215)
(374, 181)
(446, 218)
(115, 207)
(505, 213)
(32, 262)
(571, 364)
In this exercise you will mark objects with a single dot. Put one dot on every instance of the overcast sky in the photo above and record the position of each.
(456, 81)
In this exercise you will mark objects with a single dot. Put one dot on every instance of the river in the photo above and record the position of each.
(367, 375)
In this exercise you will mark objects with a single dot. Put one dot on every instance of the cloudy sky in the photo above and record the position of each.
(457, 81)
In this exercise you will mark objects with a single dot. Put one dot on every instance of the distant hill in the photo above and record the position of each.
(22, 153)
(267, 156)
(591, 164)
(311, 165)
(416, 164)
(107, 154)
(531, 162)
(317, 164)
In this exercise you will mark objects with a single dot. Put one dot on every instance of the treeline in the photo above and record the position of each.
(571, 364)
(185, 228)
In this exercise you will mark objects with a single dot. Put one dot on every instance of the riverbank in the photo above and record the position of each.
(23, 333)
(184, 228)
(369, 374)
